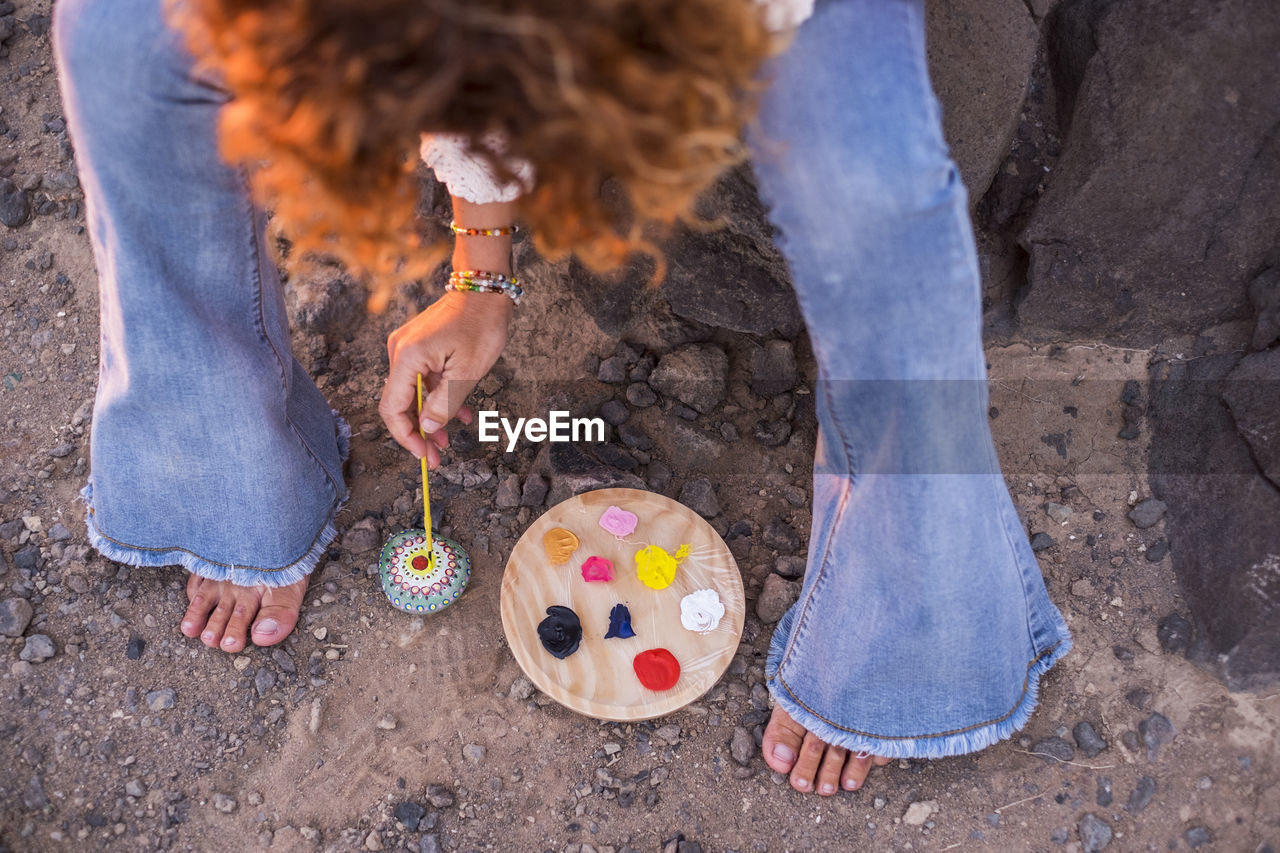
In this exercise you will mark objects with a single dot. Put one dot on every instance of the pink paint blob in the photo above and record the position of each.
(618, 521)
(597, 569)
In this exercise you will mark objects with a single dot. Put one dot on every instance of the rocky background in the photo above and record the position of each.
(1122, 159)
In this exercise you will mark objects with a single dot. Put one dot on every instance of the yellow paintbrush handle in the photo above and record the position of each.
(426, 493)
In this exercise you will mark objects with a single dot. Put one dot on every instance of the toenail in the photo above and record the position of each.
(783, 753)
(267, 627)
(207, 635)
(851, 785)
(828, 788)
(228, 641)
(802, 783)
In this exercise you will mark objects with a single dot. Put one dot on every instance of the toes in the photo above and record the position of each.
(855, 771)
(203, 595)
(235, 636)
(829, 771)
(211, 636)
(806, 769)
(278, 613)
(880, 760)
(782, 739)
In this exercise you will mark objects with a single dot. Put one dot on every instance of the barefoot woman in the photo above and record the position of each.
(923, 626)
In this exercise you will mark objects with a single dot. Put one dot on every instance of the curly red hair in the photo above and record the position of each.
(330, 97)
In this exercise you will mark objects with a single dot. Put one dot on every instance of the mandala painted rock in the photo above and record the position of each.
(412, 583)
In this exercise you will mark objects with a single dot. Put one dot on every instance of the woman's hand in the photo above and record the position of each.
(453, 343)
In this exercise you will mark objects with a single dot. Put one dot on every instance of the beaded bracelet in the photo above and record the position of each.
(483, 232)
(485, 282)
(482, 275)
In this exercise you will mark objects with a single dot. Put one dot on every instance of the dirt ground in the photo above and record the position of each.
(371, 729)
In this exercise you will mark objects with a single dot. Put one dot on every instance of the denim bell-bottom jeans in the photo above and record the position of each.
(923, 625)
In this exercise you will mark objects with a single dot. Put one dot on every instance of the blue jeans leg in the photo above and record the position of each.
(211, 447)
(923, 625)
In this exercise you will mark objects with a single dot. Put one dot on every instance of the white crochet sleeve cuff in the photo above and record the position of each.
(468, 175)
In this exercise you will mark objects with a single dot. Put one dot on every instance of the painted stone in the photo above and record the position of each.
(409, 580)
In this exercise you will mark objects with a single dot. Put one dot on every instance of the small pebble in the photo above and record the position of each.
(1087, 739)
(224, 803)
(1198, 836)
(161, 700)
(1141, 796)
(1095, 833)
(37, 649)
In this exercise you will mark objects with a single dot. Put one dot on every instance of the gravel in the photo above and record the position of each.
(1156, 731)
(161, 700)
(362, 536)
(1041, 542)
(1148, 513)
(612, 370)
(1089, 742)
(134, 648)
(695, 374)
(263, 680)
(1198, 836)
(521, 688)
(743, 746)
(640, 395)
(439, 796)
(614, 412)
(1174, 634)
(1054, 748)
(225, 803)
(1141, 796)
(1105, 797)
(409, 814)
(534, 492)
(1095, 833)
(37, 649)
(776, 598)
(790, 567)
(700, 496)
(15, 616)
(773, 369)
(1059, 513)
(508, 493)
(1158, 551)
(15, 206)
(772, 433)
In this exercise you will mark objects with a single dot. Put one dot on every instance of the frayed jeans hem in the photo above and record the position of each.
(131, 555)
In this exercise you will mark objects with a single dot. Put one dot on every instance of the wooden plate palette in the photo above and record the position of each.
(589, 555)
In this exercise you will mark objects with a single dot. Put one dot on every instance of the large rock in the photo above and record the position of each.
(695, 374)
(1222, 512)
(980, 56)
(1162, 208)
(1252, 394)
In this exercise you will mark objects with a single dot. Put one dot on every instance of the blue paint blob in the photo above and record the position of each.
(620, 622)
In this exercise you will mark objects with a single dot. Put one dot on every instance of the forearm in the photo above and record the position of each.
(490, 254)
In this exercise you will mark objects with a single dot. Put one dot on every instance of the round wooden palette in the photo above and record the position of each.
(599, 680)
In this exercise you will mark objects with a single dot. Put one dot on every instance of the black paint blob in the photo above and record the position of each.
(560, 632)
(620, 622)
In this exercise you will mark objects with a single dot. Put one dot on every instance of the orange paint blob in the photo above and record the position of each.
(657, 669)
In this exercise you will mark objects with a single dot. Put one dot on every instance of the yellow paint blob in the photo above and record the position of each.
(656, 568)
(559, 545)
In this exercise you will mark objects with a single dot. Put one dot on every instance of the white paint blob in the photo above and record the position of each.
(701, 611)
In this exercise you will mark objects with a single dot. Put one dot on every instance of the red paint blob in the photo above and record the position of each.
(657, 669)
(420, 563)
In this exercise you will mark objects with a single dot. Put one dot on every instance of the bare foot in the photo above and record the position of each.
(220, 613)
(812, 764)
